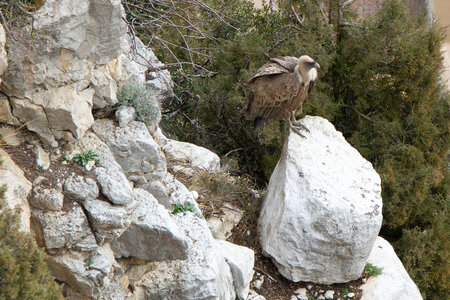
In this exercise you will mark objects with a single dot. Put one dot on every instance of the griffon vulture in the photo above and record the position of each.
(279, 88)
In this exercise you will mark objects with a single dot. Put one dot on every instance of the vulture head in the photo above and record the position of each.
(306, 69)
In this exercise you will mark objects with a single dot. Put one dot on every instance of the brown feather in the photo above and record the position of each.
(276, 91)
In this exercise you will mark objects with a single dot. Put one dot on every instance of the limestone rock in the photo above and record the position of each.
(241, 261)
(222, 226)
(114, 186)
(322, 211)
(88, 274)
(42, 157)
(17, 189)
(152, 234)
(46, 198)
(132, 146)
(254, 296)
(125, 115)
(6, 115)
(63, 229)
(81, 188)
(108, 221)
(194, 155)
(203, 275)
(394, 282)
(3, 58)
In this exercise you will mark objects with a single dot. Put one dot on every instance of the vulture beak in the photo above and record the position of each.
(316, 65)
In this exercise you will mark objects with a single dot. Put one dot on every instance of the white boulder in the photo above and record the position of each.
(152, 234)
(203, 275)
(81, 188)
(3, 58)
(240, 260)
(194, 155)
(394, 282)
(17, 189)
(322, 211)
(63, 229)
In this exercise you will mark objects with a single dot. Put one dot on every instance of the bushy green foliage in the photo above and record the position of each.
(183, 208)
(372, 270)
(216, 116)
(135, 94)
(23, 271)
(395, 112)
(83, 158)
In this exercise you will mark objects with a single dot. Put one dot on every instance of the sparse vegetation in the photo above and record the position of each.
(372, 270)
(89, 261)
(183, 208)
(136, 95)
(23, 271)
(85, 157)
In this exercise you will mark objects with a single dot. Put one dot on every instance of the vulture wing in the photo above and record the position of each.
(275, 96)
(276, 66)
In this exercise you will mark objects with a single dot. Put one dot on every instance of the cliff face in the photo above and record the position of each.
(96, 192)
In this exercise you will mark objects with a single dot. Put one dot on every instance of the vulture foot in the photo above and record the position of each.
(297, 127)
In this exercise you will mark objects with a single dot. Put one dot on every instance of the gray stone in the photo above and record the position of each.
(322, 211)
(114, 185)
(81, 188)
(394, 282)
(3, 58)
(17, 189)
(132, 146)
(106, 216)
(152, 234)
(194, 155)
(42, 157)
(125, 114)
(203, 275)
(329, 294)
(241, 261)
(63, 229)
(301, 294)
(46, 198)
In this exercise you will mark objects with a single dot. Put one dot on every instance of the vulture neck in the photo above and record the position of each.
(304, 77)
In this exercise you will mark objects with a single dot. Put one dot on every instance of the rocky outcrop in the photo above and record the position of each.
(393, 282)
(195, 156)
(203, 275)
(322, 211)
(17, 189)
(152, 235)
(3, 55)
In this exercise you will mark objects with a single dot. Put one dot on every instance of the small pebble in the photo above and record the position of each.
(321, 297)
(309, 287)
(364, 280)
(301, 294)
(329, 295)
(350, 295)
(257, 284)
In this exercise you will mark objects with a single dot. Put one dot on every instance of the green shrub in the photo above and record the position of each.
(135, 94)
(372, 270)
(23, 271)
(395, 112)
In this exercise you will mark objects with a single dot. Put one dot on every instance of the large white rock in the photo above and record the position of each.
(63, 229)
(241, 261)
(89, 274)
(3, 58)
(81, 188)
(322, 211)
(194, 155)
(152, 234)
(203, 275)
(17, 189)
(394, 282)
(133, 147)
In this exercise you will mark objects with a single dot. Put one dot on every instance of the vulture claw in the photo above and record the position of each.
(297, 127)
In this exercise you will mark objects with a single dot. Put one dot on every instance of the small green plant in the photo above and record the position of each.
(345, 291)
(84, 157)
(372, 270)
(136, 95)
(89, 260)
(64, 158)
(311, 297)
(40, 168)
(187, 206)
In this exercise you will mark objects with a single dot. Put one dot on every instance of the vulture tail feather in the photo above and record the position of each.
(258, 123)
